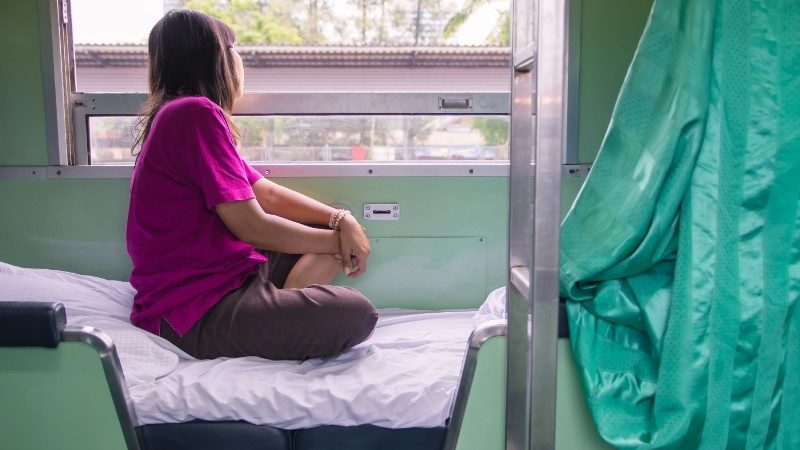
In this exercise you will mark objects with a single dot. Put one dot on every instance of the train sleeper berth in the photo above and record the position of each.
(395, 390)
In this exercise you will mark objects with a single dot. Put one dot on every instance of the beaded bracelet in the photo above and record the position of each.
(339, 217)
(336, 218)
(334, 214)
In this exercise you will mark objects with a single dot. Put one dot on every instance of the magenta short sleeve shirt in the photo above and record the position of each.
(184, 257)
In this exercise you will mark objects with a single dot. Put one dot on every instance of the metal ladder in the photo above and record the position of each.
(539, 97)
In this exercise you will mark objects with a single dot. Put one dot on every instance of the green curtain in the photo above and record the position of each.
(680, 258)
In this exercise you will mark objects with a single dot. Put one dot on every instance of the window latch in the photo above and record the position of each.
(455, 103)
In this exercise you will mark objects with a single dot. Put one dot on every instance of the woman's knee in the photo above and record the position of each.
(369, 319)
(361, 318)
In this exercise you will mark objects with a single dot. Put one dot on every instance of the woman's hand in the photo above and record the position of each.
(353, 242)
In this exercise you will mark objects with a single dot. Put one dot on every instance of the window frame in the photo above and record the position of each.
(54, 34)
(68, 112)
(86, 105)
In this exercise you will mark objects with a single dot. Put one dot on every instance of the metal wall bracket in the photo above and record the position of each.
(382, 211)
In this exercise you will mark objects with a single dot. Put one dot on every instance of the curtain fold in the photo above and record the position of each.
(680, 258)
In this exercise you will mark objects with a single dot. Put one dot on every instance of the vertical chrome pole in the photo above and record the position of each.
(551, 110)
(538, 136)
(520, 225)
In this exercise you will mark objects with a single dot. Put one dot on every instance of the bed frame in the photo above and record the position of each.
(63, 387)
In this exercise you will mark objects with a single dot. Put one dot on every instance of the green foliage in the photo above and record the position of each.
(255, 22)
(460, 17)
(500, 34)
(493, 131)
(364, 22)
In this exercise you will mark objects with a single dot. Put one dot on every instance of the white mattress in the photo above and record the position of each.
(405, 375)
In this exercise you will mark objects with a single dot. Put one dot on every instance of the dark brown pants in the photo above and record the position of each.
(261, 319)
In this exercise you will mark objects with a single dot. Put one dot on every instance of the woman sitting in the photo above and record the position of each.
(224, 263)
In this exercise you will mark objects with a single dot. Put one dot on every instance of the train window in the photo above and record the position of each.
(334, 138)
(311, 45)
(315, 47)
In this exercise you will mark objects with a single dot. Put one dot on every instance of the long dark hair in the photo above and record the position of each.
(189, 55)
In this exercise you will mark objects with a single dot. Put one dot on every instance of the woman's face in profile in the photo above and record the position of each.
(239, 65)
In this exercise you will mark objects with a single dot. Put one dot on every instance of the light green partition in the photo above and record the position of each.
(610, 32)
(574, 426)
(411, 271)
(74, 225)
(56, 399)
(22, 124)
(484, 420)
(569, 190)
(447, 250)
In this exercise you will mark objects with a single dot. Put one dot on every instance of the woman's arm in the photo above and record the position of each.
(284, 202)
(248, 222)
(277, 200)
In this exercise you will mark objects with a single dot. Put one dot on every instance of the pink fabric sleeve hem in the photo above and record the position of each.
(252, 174)
(233, 195)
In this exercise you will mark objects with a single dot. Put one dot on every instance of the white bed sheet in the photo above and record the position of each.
(405, 375)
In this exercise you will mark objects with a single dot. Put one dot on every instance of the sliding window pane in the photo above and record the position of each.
(335, 138)
(312, 45)
(111, 139)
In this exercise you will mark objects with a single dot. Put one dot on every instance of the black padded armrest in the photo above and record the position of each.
(31, 324)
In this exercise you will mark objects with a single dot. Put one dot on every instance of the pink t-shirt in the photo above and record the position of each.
(184, 257)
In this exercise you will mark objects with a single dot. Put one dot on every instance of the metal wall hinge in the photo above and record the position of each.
(64, 12)
(576, 170)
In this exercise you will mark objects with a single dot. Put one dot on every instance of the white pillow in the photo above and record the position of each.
(82, 295)
(494, 308)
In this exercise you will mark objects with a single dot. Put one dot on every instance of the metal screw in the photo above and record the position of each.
(267, 172)
(480, 239)
(471, 171)
(58, 172)
(395, 216)
(370, 171)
